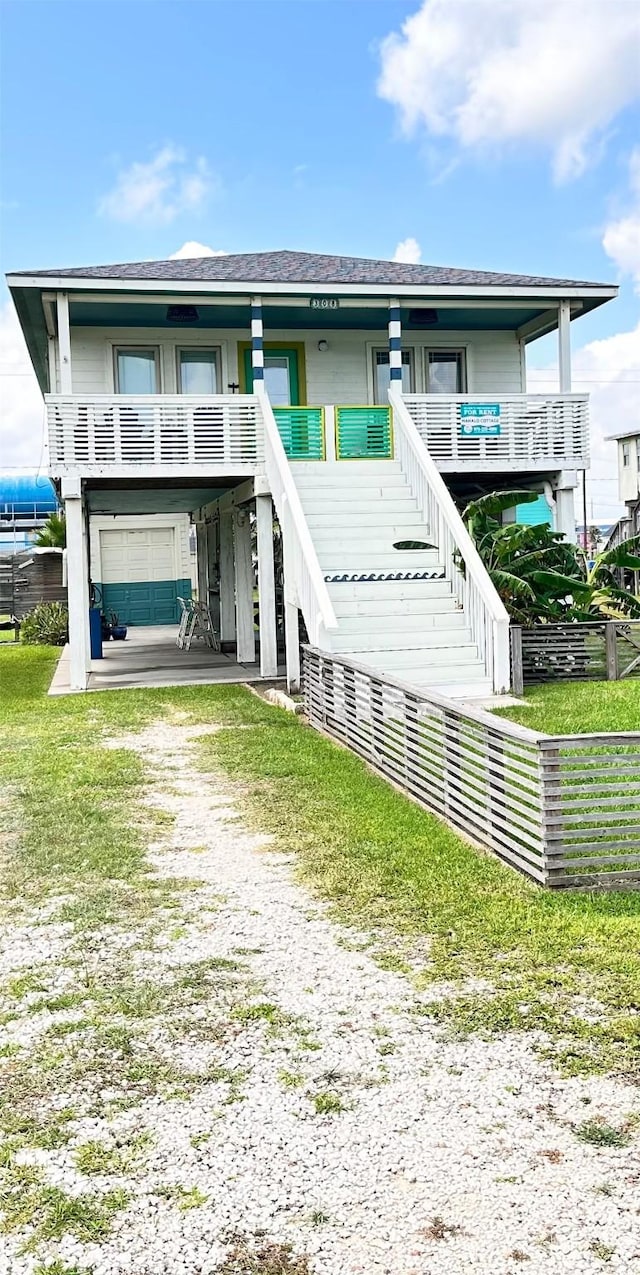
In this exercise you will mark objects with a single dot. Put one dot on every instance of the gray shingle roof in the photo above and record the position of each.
(304, 267)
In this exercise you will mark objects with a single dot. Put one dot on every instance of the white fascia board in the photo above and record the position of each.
(219, 287)
(625, 433)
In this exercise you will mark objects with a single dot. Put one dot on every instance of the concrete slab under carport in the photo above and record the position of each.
(150, 658)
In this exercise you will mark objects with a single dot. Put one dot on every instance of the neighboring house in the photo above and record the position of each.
(140, 564)
(629, 492)
(360, 399)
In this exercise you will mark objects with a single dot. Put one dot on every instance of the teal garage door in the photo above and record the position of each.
(139, 575)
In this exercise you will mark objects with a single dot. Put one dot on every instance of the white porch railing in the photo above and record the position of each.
(513, 431)
(123, 431)
(304, 583)
(476, 595)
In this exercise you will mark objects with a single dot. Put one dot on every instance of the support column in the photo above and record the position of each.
(213, 598)
(245, 641)
(564, 347)
(77, 584)
(395, 344)
(257, 353)
(202, 562)
(291, 626)
(565, 515)
(266, 588)
(64, 343)
(227, 579)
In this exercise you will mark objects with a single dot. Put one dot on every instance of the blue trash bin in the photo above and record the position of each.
(95, 633)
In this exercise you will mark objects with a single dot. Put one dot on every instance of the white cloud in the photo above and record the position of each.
(158, 191)
(22, 414)
(408, 250)
(490, 73)
(194, 249)
(609, 371)
(621, 238)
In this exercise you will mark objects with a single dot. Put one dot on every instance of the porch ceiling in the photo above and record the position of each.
(144, 314)
(131, 497)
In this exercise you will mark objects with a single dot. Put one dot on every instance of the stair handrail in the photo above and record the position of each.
(312, 595)
(478, 597)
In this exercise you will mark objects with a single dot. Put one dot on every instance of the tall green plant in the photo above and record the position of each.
(539, 575)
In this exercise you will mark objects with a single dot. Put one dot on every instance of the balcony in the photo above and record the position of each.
(514, 432)
(159, 434)
(117, 435)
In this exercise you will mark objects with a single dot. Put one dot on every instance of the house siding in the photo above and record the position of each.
(342, 374)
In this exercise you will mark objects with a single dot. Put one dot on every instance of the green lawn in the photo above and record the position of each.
(78, 827)
(580, 707)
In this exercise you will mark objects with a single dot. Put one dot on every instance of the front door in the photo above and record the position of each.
(281, 375)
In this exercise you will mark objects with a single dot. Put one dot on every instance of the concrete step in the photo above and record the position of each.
(398, 640)
(339, 558)
(351, 504)
(450, 657)
(331, 480)
(345, 470)
(382, 516)
(413, 593)
(406, 623)
(344, 532)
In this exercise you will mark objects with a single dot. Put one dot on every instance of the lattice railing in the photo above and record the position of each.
(124, 430)
(482, 430)
(564, 810)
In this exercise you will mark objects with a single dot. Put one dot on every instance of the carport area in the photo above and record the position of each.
(149, 657)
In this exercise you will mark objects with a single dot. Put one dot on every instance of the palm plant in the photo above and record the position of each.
(54, 533)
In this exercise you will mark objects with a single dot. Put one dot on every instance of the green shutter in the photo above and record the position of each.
(302, 431)
(363, 432)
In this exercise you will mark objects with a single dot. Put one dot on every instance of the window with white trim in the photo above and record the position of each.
(381, 374)
(445, 371)
(199, 370)
(136, 369)
(626, 455)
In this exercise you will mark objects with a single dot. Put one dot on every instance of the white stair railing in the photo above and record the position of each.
(484, 611)
(304, 583)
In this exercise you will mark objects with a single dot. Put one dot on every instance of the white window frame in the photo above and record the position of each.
(119, 348)
(374, 350)
(200, 349)
(459, 350)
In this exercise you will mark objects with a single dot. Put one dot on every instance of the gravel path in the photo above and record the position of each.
(320, 1110)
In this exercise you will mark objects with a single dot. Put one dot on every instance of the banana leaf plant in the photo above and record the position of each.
(539, 575)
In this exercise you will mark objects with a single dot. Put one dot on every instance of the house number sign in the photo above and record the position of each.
(324, 303)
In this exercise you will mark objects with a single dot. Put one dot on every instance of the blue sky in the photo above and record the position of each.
(130, 128)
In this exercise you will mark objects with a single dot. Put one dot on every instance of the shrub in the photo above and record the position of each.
(46, 625)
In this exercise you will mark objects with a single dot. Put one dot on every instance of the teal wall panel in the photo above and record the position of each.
(535, 513)
(145, 602)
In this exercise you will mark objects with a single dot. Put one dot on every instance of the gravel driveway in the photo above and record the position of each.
(282, 1105)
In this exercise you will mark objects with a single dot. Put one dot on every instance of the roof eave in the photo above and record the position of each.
(595, 292)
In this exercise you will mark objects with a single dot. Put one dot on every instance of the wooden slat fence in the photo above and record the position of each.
(597, 650)
(563, 810)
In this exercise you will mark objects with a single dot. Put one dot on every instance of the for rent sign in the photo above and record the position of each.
(478, 420)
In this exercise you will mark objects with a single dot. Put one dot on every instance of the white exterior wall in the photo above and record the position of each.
(140, 522)
(629, 475)
(342, 374)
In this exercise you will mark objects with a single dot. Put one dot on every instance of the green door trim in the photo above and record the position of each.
(297, 369)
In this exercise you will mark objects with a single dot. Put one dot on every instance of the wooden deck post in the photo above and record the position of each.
(611, 649)
(227, 580)
(266, 588)
(291, 623)
(517, 670)
(77, 584)
(246, 641)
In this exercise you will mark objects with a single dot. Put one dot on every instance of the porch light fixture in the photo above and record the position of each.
(423, 318)
(182, 314)
(323, 346)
